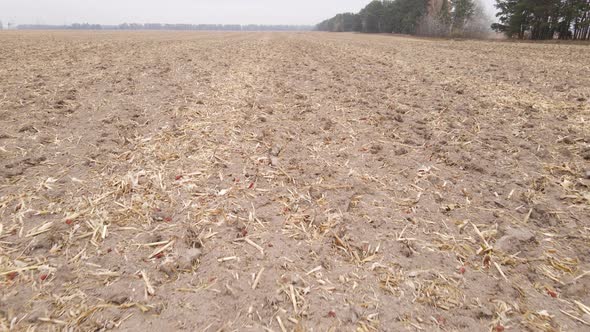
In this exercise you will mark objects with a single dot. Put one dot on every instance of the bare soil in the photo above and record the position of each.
(292, 181)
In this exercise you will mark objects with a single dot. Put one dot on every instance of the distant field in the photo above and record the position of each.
(292, 181)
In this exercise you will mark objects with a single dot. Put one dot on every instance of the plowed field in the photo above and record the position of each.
(292, 181)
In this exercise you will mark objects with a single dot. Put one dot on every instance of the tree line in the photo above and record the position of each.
(522, 19)
(159, 26)
(421, 17)
(544, 19)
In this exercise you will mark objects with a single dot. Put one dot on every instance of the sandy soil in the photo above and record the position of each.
(292, 181)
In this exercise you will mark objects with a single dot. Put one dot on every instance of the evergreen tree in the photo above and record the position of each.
(407, 15)
(345, 22)
(463, 10)
(373, 17)
(390, 16)
(544, 19)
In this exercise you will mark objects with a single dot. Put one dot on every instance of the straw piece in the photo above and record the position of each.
(257, 279)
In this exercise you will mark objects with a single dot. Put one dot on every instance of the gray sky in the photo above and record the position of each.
(176, 11)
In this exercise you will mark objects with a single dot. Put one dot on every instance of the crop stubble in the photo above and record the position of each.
(292, 181)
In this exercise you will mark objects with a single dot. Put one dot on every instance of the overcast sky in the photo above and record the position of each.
(176, 11)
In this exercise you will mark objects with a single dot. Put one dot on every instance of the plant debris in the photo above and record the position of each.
(290, 181)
